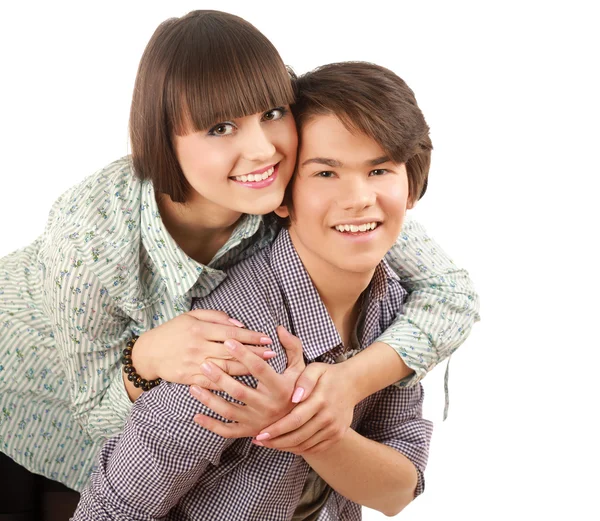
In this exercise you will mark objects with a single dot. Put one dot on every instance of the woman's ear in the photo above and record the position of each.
(282, 211)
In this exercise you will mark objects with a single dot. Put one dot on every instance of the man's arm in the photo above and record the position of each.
(441, 308)
(160, 456)
(381, 464)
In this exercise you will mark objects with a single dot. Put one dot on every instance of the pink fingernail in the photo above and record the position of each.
(236, 322)
(206, 369)
(298, 394)
(196, 391)
(265, 340)
(262, 437)
(230, 344)
(269, 354)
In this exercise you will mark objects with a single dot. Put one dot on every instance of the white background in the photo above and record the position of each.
(510, 91)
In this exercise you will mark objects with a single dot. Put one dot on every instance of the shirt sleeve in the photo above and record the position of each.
(441, 308)
(90, 334)
(395, 419)
(161, 454)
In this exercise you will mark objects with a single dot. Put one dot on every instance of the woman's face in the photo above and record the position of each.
(243, 164)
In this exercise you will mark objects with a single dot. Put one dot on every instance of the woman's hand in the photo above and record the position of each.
(271, 399)
(324, 414)
(176, 350)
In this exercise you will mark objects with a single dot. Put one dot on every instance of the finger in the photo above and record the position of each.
(307, 381)
(294, 420)
(226, 430)
(217, 350)
(205, 383)
(257, 367)
(292, 440)
(229, 411)
(316, 448)
(231, 367)
(221, 332)
(237, 390)
(214, 316)
(292, 346)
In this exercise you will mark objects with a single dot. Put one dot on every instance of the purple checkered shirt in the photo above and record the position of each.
(164, 466)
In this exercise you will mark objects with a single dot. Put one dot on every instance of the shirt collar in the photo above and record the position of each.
(308, 315)
(178, 271)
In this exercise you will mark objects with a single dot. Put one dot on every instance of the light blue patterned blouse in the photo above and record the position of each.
(106, 268)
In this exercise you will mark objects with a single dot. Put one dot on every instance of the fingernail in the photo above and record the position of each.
(206, 369)
(196, 391)
(199, 419)
(230, 344)
(236, 322)
(298, 394)
(269, 354)
(265, 340)
(257, 443)
(264, 436)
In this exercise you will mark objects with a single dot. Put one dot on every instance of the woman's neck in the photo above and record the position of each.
(199, 227)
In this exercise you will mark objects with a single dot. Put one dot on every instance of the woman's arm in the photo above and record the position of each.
(441, 308)
(90, 334)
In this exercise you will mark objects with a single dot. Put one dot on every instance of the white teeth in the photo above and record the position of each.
(253, 178)
(353, 228)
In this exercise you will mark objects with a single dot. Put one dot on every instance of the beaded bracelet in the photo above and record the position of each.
(132, 374)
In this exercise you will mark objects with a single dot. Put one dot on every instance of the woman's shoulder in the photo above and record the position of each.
(98, 223)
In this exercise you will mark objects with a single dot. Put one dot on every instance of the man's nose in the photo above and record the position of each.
(356, 195)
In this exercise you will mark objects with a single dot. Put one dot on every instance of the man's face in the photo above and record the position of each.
(349, 199)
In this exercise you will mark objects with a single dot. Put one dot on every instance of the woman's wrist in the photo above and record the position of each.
(141, 358)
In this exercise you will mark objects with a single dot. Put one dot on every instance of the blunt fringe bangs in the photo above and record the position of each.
(199, 70)
(374, 101)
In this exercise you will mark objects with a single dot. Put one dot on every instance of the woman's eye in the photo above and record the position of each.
(222, 129)
(379, 171)
(326, 174)
(274, 114)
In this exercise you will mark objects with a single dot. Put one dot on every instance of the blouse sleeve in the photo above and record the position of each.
(441, 308)
(90, 333)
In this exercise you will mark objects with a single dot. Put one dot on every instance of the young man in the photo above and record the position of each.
(363, 161)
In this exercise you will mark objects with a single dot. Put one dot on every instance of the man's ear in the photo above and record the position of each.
(282, 211)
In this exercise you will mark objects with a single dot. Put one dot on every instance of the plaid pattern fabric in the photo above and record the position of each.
(164, 466)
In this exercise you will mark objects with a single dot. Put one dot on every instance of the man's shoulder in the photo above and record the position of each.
(249, 293)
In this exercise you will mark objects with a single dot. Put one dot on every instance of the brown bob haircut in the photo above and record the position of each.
(196, 71)
(371, 100)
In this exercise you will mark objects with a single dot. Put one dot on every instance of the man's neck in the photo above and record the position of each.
(340, 290)
(199, 227)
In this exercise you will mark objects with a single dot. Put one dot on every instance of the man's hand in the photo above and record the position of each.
(321, 419)
(270, 401)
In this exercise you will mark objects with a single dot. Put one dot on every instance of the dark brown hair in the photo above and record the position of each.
(374, 101)
(196, 71)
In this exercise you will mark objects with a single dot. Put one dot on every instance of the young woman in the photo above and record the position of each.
(124, 252)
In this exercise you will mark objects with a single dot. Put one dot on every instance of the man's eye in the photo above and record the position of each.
(274, 114)
(222, 129)
(326, 173)
(379, 171)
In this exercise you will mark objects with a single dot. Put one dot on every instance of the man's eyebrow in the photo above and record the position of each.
(335, 163)
(323, 161)
(378, 161)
